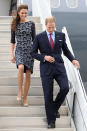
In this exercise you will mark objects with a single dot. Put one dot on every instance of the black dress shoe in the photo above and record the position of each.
(51, 125)
(57, 115)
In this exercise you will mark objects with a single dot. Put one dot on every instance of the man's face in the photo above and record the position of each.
(50, 27)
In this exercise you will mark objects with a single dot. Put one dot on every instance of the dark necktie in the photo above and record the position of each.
(51, 42)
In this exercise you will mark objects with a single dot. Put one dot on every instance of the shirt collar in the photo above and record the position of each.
(49, 33)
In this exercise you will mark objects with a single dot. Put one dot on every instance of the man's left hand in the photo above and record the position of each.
(76, 64)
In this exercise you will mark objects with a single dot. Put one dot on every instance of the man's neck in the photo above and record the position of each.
(49, 32)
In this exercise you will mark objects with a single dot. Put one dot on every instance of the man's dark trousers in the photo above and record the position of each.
(51, 105)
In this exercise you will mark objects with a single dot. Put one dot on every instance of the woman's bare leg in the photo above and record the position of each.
(26, 86)
(20, 80)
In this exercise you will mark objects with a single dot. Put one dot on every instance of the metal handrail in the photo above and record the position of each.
(77, 83)
(75, 70)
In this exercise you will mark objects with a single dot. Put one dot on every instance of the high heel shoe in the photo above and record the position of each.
(25, 104)
(19, 100)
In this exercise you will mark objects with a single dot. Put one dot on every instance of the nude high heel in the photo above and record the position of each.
(19, 100)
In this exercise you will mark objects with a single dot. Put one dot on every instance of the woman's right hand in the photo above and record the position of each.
(13, 59)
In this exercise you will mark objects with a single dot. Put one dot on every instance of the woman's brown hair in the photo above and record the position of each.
(16, 20)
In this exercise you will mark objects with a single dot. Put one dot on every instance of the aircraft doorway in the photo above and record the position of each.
(4, 7)
(8, 7)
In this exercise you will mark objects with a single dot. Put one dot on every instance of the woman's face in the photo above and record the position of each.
(23, 14)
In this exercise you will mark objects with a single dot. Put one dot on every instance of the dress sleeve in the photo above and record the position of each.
(12, 36)
(33, 31)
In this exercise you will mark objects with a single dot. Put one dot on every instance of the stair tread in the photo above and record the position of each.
(63, 121)
(34, 90)
(12, 100)
(38, 129)
(29, 111)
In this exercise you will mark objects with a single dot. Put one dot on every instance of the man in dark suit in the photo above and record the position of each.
(51, 44)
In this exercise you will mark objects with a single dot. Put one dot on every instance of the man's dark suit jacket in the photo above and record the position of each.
(42, 43)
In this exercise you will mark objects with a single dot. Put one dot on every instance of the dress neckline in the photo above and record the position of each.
(23, 22)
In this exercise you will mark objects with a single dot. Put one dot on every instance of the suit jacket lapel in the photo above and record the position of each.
(56, 37)
(46, 38)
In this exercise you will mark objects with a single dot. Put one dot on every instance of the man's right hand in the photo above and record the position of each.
(49, 59)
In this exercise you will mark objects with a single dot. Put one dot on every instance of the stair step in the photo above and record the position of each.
(8, 19)
(35, 122)
(38, 129)
(33, 91)
(4, 41)
(13, 72)
(31, 111)
(13, 90)
(5, 65)
(12, 81)
(5, 48)
(8, 72)
(5, 56)
(7, 26)
(12, 101)
(9, 69)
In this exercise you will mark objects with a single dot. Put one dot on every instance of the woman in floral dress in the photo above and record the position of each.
(22, 33)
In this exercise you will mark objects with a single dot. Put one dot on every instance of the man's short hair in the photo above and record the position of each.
(49, 20)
